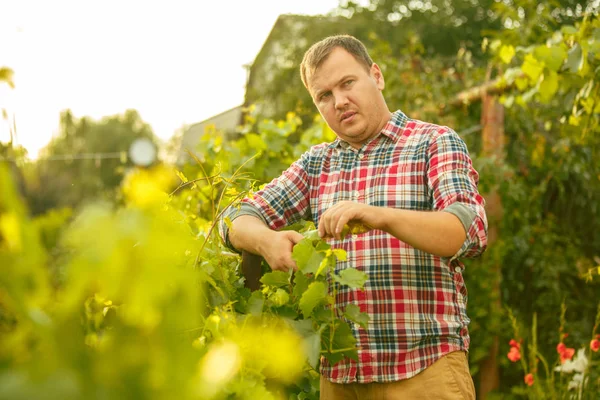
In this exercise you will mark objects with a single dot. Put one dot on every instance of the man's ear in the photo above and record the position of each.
(377, 75)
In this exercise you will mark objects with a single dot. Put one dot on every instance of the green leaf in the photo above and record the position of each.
(343, 345)
(340, 254)
(575, 59)
(279, 298)
(548, 86)
(553, 57)
(327, 261)
(304, 327)
(300, 284)
(312, 234)
(255, 142)
(351, 277)
(322, 313)
(307, 258)
(312, 342)
(507, 53)
(314, 295)
(532, 67)
(322, 246)
(256, 303)
(353, 313)
(313, 349)
(568, 30)
(522, 83)
(276, 278)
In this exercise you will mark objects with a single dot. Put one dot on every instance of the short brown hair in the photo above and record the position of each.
(318, 53)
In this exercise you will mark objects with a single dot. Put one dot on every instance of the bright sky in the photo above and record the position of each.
(176, 62)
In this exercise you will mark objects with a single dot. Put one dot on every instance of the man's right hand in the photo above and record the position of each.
(277, 249)
(251, 234)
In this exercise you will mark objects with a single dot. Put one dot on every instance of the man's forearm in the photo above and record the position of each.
(436, 232)
(248, 233)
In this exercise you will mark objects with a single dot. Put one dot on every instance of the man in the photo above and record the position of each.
(413, 184)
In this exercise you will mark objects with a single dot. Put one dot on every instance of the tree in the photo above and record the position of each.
(86, 160)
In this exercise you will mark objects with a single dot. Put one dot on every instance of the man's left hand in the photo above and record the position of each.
(333, 220)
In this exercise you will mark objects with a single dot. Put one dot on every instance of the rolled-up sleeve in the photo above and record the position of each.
(453, 184)
(284, 201)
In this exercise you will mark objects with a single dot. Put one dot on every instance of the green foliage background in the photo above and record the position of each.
(136, 297)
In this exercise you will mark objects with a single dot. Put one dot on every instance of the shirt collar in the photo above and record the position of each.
(393, 130)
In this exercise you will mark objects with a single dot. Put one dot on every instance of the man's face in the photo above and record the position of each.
(348, 96)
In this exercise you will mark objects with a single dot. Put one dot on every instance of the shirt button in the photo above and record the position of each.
(354, 236)
(457, 269)
(356, 194)
(361, 156)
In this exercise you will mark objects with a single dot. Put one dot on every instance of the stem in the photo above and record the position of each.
(190, 182)
(547, 369)
(233, 179)
(339, 350)
(206, 176)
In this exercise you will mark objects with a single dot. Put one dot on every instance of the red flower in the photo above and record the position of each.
(529, 379)
(514, 354)
(595, 345)
(566, 353)
(514, 343)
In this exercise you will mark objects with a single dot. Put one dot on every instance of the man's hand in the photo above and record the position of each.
(277, 249)
(333, 220)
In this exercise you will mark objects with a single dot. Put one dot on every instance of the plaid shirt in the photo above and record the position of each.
(416, 301)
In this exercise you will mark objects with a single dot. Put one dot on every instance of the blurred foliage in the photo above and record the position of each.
(60, 179)
(143, 300)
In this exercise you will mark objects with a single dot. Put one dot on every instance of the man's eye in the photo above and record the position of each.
(325, 95)
(349, 82)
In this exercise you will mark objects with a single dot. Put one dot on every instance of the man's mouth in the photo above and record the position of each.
(347, 115)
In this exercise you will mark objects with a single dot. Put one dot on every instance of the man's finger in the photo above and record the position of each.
(296, 237)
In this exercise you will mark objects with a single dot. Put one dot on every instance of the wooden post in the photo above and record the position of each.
(493, 145)
(252, 270)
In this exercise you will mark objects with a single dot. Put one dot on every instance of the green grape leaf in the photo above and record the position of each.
(575, 59)
(312, 234)
(255, 141)
(276, 278)
(300, 284)
(507, 53)
(343, 345)
(279, 298)
(322, 314)
(553, 57)
(256, 303)
(548, 86)
(353, 313)
(340, 254)
(326, 262)
(351, 277)
(312, 343)
(532, 67)
(307, 258)
(314, 295)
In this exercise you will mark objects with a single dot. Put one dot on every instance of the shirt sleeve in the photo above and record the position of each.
(453, 184)
(282, 202)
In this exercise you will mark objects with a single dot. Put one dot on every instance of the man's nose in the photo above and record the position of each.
(341, 101)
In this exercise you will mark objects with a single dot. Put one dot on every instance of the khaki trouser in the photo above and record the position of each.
(446, 379)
